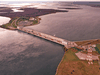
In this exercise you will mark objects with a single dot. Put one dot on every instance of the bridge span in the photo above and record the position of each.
(66, 43)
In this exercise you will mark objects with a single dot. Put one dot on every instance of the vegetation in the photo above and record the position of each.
(35, 22)
(10, 24)
(27, 19)
(85, 52)
(70, 56)
(22, 19)
(75, 48)
(6, 25)
(97, 48)
(14, 22)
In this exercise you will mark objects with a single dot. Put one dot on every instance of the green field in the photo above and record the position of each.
(70, 56)
(97, 48)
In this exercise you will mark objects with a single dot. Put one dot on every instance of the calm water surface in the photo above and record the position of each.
(24, 54)
(75, 25)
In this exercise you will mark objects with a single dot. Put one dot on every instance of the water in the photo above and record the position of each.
(24, 54)
(75, 25)
(4, 20)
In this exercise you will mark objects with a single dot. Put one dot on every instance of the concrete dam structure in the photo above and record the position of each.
(66, 43)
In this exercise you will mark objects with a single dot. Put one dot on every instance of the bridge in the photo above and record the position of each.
(66, 43)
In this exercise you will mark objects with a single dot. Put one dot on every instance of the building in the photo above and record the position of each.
(32, 18)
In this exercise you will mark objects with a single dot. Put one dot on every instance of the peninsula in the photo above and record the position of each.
(22, 22)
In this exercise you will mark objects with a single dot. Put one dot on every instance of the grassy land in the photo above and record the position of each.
(6, 25)
(71, 65)
(22, 19)
(70, 56)
(97, 48)
(14, 22)
(35, 22)
(27, 19)
(10, 24)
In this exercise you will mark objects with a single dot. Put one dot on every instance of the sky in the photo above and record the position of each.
(49, 0)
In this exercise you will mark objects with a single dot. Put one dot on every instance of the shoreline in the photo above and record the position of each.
(72, 65)
(28, 12)
(12, 28)
(59, 63)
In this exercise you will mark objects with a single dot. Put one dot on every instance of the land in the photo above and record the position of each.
(92, 4)
(87, 42)
(21, 21)
(28, 12)
(71, 65)
(70, 8)
(22, 18)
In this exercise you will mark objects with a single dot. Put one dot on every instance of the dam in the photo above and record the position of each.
(66, 43)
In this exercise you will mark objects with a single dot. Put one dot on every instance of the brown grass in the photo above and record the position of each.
(74, 50)
(76, 67)
(95, 53)
(87, 42)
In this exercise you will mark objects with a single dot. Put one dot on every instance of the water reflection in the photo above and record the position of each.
(21, 53)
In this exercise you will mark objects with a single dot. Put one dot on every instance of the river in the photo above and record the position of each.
(25, 54)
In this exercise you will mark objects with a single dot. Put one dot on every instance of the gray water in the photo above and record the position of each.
(24, 54)
(75, 25)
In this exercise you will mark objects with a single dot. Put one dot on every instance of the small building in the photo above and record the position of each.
(84, 47)
(93, 45)
(32, 18)
(93, 49)
(83, 56)
(89, 50)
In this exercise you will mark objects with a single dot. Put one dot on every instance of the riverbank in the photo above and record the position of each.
(88, 42)
(71, 65)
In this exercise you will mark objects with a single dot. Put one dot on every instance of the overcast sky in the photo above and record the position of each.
(49, 0)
